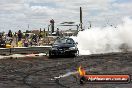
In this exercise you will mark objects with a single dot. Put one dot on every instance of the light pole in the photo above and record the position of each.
(81, 17)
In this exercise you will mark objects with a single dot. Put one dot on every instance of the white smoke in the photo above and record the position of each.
(105, 40)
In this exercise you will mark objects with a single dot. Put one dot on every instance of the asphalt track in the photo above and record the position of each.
(60, 72)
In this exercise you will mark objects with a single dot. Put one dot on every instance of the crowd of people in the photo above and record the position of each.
(27, 38)
(21, 39)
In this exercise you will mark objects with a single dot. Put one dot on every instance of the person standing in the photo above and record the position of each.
(57, 32)
(19, 35)
(10, 33)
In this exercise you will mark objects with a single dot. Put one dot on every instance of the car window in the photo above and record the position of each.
(69, 41)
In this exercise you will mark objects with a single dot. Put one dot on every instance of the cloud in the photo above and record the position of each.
(123, 6)
(39, 12)
(12, 1)
(11, 7)
(43, 10)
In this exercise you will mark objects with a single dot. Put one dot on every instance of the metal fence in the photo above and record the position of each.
(24, 50)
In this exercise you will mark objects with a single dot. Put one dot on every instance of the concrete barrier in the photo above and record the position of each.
(24, 50)
(5, 51)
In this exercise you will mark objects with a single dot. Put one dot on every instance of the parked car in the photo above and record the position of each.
(64, 46)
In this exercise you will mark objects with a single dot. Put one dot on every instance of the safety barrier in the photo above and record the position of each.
(24, 50)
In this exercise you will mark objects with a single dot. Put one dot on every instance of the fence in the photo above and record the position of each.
(24, 50)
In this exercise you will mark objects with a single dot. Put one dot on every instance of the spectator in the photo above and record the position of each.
(34, 38)
(26, 43)
(27, 35)
(19, 35)
(40, 34)
(15, 34)
(10, 33)
(30, 42)
(57, 32)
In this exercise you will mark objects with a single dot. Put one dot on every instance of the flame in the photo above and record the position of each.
(81, 71)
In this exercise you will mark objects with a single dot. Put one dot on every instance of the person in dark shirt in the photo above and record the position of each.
(19, 35)
(10, 33)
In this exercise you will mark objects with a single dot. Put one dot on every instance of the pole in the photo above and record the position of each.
(81, 17)
(52, 25)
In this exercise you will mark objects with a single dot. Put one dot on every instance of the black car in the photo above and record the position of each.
(64, 46)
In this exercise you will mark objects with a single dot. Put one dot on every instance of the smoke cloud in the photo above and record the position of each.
(105, 40)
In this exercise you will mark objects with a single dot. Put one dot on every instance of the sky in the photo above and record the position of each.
(17, 14)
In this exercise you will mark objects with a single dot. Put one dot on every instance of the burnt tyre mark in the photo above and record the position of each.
(41, 73)
(49, 71)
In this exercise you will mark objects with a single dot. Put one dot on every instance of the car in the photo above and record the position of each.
(64, 46)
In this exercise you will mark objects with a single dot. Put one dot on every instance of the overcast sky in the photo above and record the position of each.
(17, 14)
